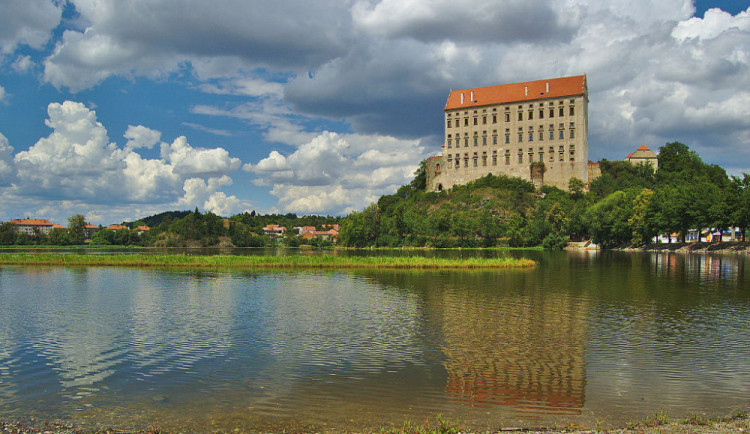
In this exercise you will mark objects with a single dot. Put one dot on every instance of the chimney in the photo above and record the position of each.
(472, 96)
(462, 97)
(548, 87)
(526, 90)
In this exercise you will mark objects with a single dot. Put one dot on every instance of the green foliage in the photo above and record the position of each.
(77, 229)
(7, 234)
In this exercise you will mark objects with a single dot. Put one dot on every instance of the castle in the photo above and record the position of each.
(537, 130)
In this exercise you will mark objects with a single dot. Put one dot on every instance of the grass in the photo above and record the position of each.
(294, 261)
(441, 426)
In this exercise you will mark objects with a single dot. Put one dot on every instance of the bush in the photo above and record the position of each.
(555, 241)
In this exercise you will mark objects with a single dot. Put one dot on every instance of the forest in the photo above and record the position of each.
(627, 206)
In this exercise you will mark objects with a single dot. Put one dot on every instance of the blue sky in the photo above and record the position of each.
(118, 110)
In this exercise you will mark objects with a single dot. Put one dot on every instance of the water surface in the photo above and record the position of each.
(583, 337)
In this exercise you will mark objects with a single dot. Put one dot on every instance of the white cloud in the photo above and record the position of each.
(189, 161)
(22, 64)
(714, 23)
(122, 38)
(141, 137)
(333, 173)
(6, 161)
(27, 22)
(2, 94)
(77, 163)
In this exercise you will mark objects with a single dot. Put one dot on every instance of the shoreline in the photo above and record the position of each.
(266, 261)
(737, 422)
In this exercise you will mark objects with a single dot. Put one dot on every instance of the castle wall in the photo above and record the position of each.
(505, 139)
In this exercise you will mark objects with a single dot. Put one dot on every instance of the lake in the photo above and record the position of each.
(583, 337)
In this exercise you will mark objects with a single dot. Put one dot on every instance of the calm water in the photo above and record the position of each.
(584, 337)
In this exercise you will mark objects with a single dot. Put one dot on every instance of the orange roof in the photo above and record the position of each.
(644, 148)
(31, 222)
(143, 228)
(116, 227)
(517, 92)
(435, 157)
(90, 226)
(629, 155)
(591, 163)
(56, 226)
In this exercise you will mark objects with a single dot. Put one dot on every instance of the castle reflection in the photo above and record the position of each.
(514, 346)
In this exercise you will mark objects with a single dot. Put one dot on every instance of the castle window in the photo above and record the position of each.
(466, 160)
(458, 161)
(494, 139)
(572, 110)
(531, 114)
(507, 157)
(494, 158)
(572, 152)
(572, 130)
(507, 117)
(520, 115)
(476, 162)
(484, 138)
(541, 133)
(531, 134)
(476, 139)
(541, 113)
(551, 132)
(475, 120)
(466, 140)
(541, 157)
(562, 131)
(484, 120)
(449, 141)
(466, 122)
(520, 135)
(507, 135)
(551, 153)
(494, 118)
(520, 155)
(561, 152)
(449, 123)
(551, 112)
(562, 111)
(484, 159)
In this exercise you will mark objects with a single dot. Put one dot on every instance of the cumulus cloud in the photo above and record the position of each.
(141, 137)
(336, 173)
(6, 161)
(22, 64)
(123, 39)
(2, 94)
(77, 163)
(27, 22)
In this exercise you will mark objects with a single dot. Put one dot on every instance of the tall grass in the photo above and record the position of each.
(294, 261)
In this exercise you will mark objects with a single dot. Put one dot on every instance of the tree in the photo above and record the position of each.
(77, 229)
(420, 177)
(642, 221)
(7, 234)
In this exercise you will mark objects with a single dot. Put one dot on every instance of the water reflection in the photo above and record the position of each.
(583, 337)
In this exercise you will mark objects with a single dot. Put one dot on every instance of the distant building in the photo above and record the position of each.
(643, 155)
(116, 227)
(142, 229)
(89, 230)
(274, 230)
(536, 130)
(32, 226)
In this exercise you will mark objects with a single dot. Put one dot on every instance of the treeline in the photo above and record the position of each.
(627, 205)
(179, 229)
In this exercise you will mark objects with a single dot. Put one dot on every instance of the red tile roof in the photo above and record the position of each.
(56, 226)
(517, 92)
(116, 227)
(90, 226)
(644, 148)
(143, 228)
(31, 222)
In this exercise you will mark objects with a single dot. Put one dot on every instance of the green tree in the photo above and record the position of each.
(7, 234)
(420, 176)
(77, 229)
(642, 220)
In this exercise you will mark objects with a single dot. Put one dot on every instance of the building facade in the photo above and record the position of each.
(537, 130)
(643, 155)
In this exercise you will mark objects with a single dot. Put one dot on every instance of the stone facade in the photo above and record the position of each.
(509, 129)
(643, 155)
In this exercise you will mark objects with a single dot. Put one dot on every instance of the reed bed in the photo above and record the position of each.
(295, 261)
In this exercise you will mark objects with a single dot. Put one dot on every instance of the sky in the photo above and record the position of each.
(120, 110)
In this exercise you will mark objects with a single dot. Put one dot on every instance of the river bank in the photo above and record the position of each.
(739, 422)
